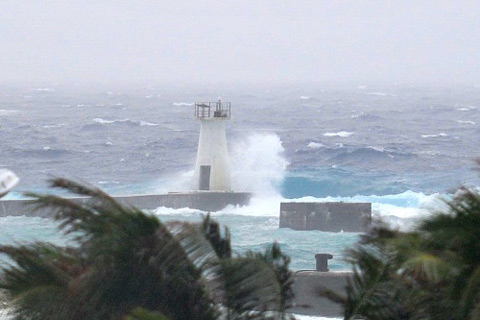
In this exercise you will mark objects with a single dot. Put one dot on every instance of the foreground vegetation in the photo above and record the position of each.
(126, 264)
(432, 272)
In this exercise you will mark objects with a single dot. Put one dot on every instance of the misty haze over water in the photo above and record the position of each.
(217, 42)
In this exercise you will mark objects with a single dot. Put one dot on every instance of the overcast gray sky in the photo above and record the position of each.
(247, 41)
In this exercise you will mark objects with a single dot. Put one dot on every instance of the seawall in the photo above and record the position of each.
(205, 201)
(326, 216)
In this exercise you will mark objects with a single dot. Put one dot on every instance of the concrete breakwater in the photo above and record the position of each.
(326, 216)
(201, 200)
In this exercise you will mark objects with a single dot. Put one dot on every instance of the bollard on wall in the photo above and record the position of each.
(322, 261)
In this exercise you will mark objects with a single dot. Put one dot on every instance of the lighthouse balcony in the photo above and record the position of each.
(213, 110)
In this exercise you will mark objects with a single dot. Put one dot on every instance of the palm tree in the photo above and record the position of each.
(432, 272)
(126, 264)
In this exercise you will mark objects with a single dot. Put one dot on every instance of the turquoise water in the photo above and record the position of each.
(247, 232)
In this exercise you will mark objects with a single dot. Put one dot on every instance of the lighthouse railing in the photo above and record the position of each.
(218, 109)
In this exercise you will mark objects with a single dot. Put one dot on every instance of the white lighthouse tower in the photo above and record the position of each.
(212, 170)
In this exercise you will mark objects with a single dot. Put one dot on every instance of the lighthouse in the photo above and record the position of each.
(212, 170)
(212, 191)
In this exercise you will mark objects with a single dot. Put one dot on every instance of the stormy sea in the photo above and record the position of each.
(404, 148)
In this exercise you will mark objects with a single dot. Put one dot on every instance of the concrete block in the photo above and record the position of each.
(326, 216)
(206, 201)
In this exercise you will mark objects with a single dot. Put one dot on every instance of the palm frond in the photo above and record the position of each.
(128, 263)
(221, 244)
(252, 288)
(367, 293)
(470, 296)
(142, 314)
(424, 266)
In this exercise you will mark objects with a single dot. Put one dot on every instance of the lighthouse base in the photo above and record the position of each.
(201, 200)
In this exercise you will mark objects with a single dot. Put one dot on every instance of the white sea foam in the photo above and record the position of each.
(315, 145)
(49, 126)
(441, 134)
(179, 104)
(5, 112)
(45, 89)
(148, 124)
(103, 121)
(305, 98)
(140, 123)
(381, 94)
(379, 149)
(258, 164)
(181, 211)
(342, 134)
(466, 121)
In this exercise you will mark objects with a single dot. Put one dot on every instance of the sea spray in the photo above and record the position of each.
(258, 164)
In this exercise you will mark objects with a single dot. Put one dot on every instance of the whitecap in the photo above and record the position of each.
(441, 134)
(467, 108)
(47, 148)
(45, 89)
(103, 121)
(342, 134)
(48, 126)
(4, 112)
(173, 211)
(315, 145)
(466, 121)
(108, 182)
(183, 103)
(305, 98)
(379, 149)
(140, 123)
(148, 124)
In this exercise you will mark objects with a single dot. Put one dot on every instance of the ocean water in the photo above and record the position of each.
(403, 148)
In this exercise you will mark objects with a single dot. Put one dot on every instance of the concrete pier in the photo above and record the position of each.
(326, 216)
(205, 201)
